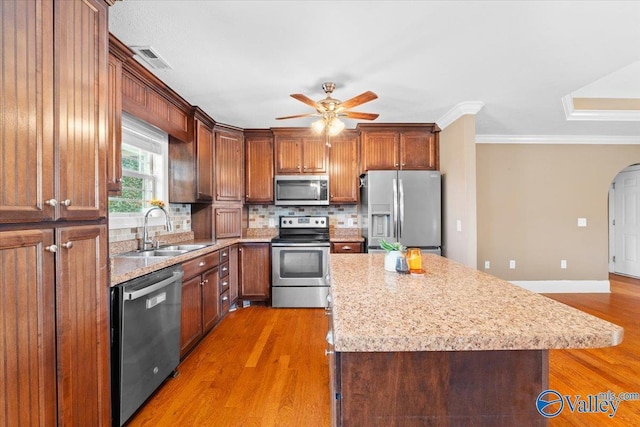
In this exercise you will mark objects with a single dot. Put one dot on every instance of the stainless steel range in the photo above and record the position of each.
(300, 262)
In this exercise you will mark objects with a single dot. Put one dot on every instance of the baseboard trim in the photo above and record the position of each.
(565, 286)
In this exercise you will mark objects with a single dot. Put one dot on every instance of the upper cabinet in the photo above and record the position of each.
(258, 166)
(343, 168)
(114, 124)
(191, 166)
(298, 150)
(399, 146)
(54, 102)
(229, 165)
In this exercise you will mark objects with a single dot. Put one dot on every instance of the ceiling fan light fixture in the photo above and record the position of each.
(335, 126)
(318, 126)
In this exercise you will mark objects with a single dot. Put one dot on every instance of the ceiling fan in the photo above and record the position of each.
(330, 109)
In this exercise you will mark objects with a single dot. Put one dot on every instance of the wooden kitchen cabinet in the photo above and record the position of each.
(228, 278)
(114, 127)
(299, 151)
(255, 271)
(399, 146)
(228, 222)
(55, 104)
(233, 274)
(27, 286)
(200, 306)
(191, 164)
(228, 165)
(343, 168)
(258, 166)
(346, 247)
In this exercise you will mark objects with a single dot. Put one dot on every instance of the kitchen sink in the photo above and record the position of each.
(163, 251)
(185, 248)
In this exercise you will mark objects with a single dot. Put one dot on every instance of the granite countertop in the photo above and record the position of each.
(124, 268)
(450, 308)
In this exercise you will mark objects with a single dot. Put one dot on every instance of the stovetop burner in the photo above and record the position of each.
(303, 229)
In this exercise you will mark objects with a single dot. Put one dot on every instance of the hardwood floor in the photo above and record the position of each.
(267, 367)
(586, 372)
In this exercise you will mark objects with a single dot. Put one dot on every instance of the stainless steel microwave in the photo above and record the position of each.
(304, 190)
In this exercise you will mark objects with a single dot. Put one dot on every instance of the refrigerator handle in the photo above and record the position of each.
(395, 207)
(401, 187)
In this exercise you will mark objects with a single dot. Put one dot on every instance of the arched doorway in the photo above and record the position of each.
(624, 222)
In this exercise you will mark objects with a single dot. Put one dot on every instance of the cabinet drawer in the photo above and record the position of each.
(199, 265)
(224, 285)
(224, 255)
(224, 270)
(347, 247)
(224, 303)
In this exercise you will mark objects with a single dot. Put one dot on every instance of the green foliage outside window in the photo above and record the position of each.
(137, 181)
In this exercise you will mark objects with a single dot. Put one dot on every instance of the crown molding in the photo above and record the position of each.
(558, 139)
(468, 107)
(597, 115)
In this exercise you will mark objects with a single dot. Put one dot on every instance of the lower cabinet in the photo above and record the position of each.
(55, 326)
(346, 247)
(255, 271)
(200, 300)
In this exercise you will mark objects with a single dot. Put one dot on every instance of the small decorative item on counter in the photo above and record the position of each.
(402, 266)
(414, 256)
(393, 251)
(156, 202)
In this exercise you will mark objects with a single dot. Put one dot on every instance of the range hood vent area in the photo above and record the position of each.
(149, 56)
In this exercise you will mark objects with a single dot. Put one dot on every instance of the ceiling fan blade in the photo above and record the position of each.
(310, 102)
(296, 116)
(358, 100)
(363, 116)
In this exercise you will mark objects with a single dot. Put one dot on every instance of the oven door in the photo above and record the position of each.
(299, 264)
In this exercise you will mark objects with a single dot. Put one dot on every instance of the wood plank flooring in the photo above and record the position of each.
(267, 367)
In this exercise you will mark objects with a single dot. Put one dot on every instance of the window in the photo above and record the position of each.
(144, 168)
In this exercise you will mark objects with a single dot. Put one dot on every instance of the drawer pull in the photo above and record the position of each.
(224, 254)
(225, 298)
(224, 269)
(328, 352)
(202, 264)
(225, 283)
(347, 248)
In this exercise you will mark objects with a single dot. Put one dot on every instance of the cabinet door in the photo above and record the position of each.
(233, 274)
(114, 126)
(229, 187)
(204, 162)
(210, 300)
(314, 155)
(82, 326)
(288, 155)
(418, 151)
(26, 159)
(379, 151)
(343, 170)
(228, 222)
(255, 271)
(81, 80)
(258, 170)
(27, 307)
(190, 314)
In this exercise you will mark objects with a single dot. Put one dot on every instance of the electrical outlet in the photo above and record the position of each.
(563, 263)
(582, 222)
(458, 225)
(512, 264)
(272, 222)
(487, 265)
(350, 222)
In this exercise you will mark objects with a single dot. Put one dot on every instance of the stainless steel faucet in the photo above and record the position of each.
(146, 243)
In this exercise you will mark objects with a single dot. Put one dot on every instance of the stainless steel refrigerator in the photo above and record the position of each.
(402, 206)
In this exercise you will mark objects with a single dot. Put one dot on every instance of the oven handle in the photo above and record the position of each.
(305, 245)
(129, 296)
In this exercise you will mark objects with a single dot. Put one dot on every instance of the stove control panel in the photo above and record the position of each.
(304, 222)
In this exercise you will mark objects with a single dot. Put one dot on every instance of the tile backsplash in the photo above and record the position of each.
(339, 215)
(180, 215)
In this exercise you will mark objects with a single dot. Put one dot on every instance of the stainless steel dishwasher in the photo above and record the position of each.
(145, 343)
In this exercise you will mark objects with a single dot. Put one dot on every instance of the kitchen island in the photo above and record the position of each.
(454, 346)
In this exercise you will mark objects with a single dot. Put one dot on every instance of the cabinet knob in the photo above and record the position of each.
(202, 264)
(328, 352)
(67, 245)
(51, 202)
(66, 202)
(298, 166)
(246, 196)
(225, 298)
(395, 164)
(404, 164)
(53, 249)
(118, 180)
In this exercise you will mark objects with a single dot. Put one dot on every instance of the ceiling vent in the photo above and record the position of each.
(151, 57)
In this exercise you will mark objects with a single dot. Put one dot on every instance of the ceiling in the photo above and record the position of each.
(240, 60)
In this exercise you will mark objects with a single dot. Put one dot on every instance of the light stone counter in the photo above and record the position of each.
(449, 308)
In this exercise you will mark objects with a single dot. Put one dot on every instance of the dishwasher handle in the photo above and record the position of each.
(129, 296)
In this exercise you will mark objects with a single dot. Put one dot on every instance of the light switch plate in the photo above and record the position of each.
(458, 225)
(487, 265)
(272, 222)
(582, 222)
(512, 264)
(563, 263)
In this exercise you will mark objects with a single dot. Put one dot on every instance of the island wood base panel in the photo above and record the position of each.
(461, 388)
